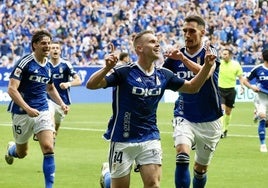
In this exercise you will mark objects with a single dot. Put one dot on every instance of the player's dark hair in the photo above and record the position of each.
(123, 55)
(195, 18)
(265, 54)
(39, 35)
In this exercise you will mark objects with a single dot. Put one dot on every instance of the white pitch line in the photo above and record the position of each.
(162, 132)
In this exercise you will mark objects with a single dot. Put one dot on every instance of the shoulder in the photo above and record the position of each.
(25, 60)
(66, 62)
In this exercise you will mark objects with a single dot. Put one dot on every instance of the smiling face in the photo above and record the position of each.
(147, 46)
(42, 47)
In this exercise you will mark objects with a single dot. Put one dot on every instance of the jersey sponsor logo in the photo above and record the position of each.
(39, 79)
(146, 91)
(263, 77)
(185, 74)
(57, 76)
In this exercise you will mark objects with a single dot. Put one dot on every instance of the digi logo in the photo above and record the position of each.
(146, 92)
(39, 79)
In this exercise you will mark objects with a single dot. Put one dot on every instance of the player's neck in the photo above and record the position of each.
(265, 63)
(146, 68)
(40, 59)
(192, 50)
(55, 61)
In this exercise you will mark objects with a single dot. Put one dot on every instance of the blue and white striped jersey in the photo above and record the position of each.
(62, 72)
(205, 105)
(33, 81)
(260, 74)
(135, 99)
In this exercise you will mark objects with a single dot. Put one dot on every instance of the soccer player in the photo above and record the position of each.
(260, 74)
(139, 88)
(29, 84)
(229, 71)
(64, 77)
(196, 116)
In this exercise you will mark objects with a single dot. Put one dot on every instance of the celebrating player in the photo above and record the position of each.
(138, 90)
(196, 116)
(29, 84)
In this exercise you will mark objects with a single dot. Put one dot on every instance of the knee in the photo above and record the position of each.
(47, 148)
(200, 175)
(262, 116)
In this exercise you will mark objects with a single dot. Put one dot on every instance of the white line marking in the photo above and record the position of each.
(162, 132)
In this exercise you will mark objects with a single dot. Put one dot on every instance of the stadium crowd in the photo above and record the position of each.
(86, 27)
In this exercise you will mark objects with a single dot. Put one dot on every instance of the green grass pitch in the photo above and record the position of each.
(80, 151)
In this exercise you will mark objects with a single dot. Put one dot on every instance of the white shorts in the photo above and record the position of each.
(123, 155)
(24, 126)
(57, 111)
(261, 103)
(204, 137)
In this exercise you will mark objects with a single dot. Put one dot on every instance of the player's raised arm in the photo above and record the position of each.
(197, 82)
(97, 79)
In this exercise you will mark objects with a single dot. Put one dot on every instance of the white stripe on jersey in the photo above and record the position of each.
(25, 60)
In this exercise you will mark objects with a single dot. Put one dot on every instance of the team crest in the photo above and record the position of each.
(61, 70)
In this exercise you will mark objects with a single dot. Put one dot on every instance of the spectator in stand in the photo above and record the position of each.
(111, 20)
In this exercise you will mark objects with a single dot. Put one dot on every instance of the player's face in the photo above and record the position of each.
(151, 46)
(193, 35)
(42, 48)
(55, 51)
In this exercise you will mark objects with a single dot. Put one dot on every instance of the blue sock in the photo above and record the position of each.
(261, 131)
(12, 151)
(199, 180)
(49, 169)
(107, 180)
(182, 173)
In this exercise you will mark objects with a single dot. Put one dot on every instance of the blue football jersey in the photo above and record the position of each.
(135, 100)
(33, 81)
(63, 72)
(205, 105)
(260, 74)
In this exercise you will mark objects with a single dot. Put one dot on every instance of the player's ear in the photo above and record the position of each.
(139, 48)
(203, 32)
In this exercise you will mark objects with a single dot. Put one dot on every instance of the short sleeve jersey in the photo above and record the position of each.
(33, 82)
(63, 72)
(205, 105)
(135, 99)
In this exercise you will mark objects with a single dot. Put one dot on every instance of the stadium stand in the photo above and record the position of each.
(85, 27)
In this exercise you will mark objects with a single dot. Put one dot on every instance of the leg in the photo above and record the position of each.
(151, 175)
(105, 179)
(200, 175)
(226, 120)
(182, 172)
(207, 136)
(261, 111)
(122, 182)
(46, 143)
(15, 151)
(262, 132)
(22, 131)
